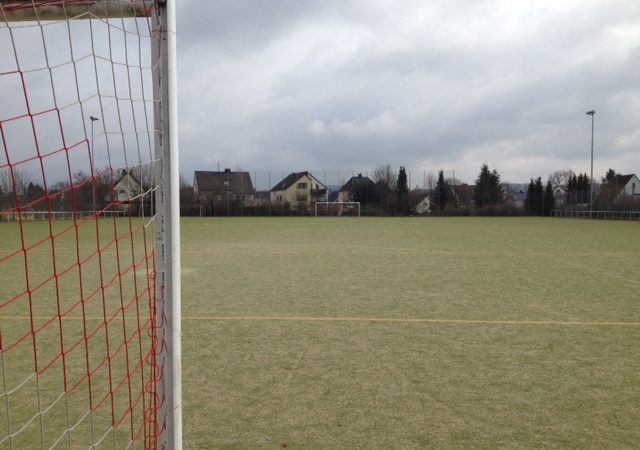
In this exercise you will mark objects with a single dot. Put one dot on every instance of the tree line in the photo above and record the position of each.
(389, 193)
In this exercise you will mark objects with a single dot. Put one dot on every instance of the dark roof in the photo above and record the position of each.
(463, 189)
(355, 181)
(222, 182)
(463, 192)
(289, 180)
(612, 188)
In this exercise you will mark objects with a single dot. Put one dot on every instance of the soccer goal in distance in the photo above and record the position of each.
(89, 225)
(337, 209)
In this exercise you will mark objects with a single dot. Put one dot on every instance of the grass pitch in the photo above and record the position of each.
(405, 332)
(303, 332)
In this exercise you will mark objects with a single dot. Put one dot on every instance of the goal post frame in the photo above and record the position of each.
(168, 234)
(329, 204)
(23, 10)
(164, 56)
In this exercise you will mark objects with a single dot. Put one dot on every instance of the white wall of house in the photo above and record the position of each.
(633, 186)
(298, 192)
(560, 195)
(424, 207)
(127, 188)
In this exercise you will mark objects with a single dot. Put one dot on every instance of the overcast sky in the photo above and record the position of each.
(352, 84)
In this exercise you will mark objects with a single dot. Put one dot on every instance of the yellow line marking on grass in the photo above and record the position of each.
(404, 320)
(366, 319)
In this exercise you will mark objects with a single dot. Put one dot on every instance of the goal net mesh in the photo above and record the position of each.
(81, 308)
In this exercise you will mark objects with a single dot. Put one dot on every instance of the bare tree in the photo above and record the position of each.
(430, 182)
(560, 178)
(385, 175)
(19, 176)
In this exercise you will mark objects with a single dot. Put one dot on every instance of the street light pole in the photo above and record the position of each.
(591, 113)
(93, 168)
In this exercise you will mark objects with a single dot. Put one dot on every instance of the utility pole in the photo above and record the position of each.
(591, 113)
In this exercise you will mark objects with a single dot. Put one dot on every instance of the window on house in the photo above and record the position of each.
(302, 185)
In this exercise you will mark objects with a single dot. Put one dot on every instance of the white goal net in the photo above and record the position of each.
(89, 260)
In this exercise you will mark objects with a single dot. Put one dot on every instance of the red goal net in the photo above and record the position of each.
(82, 340)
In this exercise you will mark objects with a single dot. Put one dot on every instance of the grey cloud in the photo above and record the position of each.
(328, 84)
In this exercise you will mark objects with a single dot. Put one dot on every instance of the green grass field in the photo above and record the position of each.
(409, 333)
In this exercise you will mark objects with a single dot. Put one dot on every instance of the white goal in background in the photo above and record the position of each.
(337, 209)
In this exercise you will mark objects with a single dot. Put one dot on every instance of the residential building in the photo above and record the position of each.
(223, 189)
(463, 194)
(299, 190)
(127, 190)
(356, 184)
(423, 206)
(619, 188)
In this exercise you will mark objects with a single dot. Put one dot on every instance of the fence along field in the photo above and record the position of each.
(85, 273)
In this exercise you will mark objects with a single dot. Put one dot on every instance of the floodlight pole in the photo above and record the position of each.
(93, 167)
(591, 113)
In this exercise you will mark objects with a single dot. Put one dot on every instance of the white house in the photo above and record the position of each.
(423, 206)
(619, 187)
(299, 190)
(126, 190)
(632, 185)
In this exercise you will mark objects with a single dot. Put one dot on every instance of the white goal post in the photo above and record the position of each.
(337, 207)
(41, 18)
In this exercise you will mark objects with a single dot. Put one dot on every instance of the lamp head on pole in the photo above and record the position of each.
(591, 113)
(93, 118)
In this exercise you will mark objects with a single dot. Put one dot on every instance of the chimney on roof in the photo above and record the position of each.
(227, 170)
(359, 175)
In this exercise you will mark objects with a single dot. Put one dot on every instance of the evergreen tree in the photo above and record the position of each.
(534, 200)
(572, 189)
(549, 199)
(609, 176)
(441, 191)
(528, 203)
(401, 186)
(582, 188)
(402, 191)
(488, 190)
